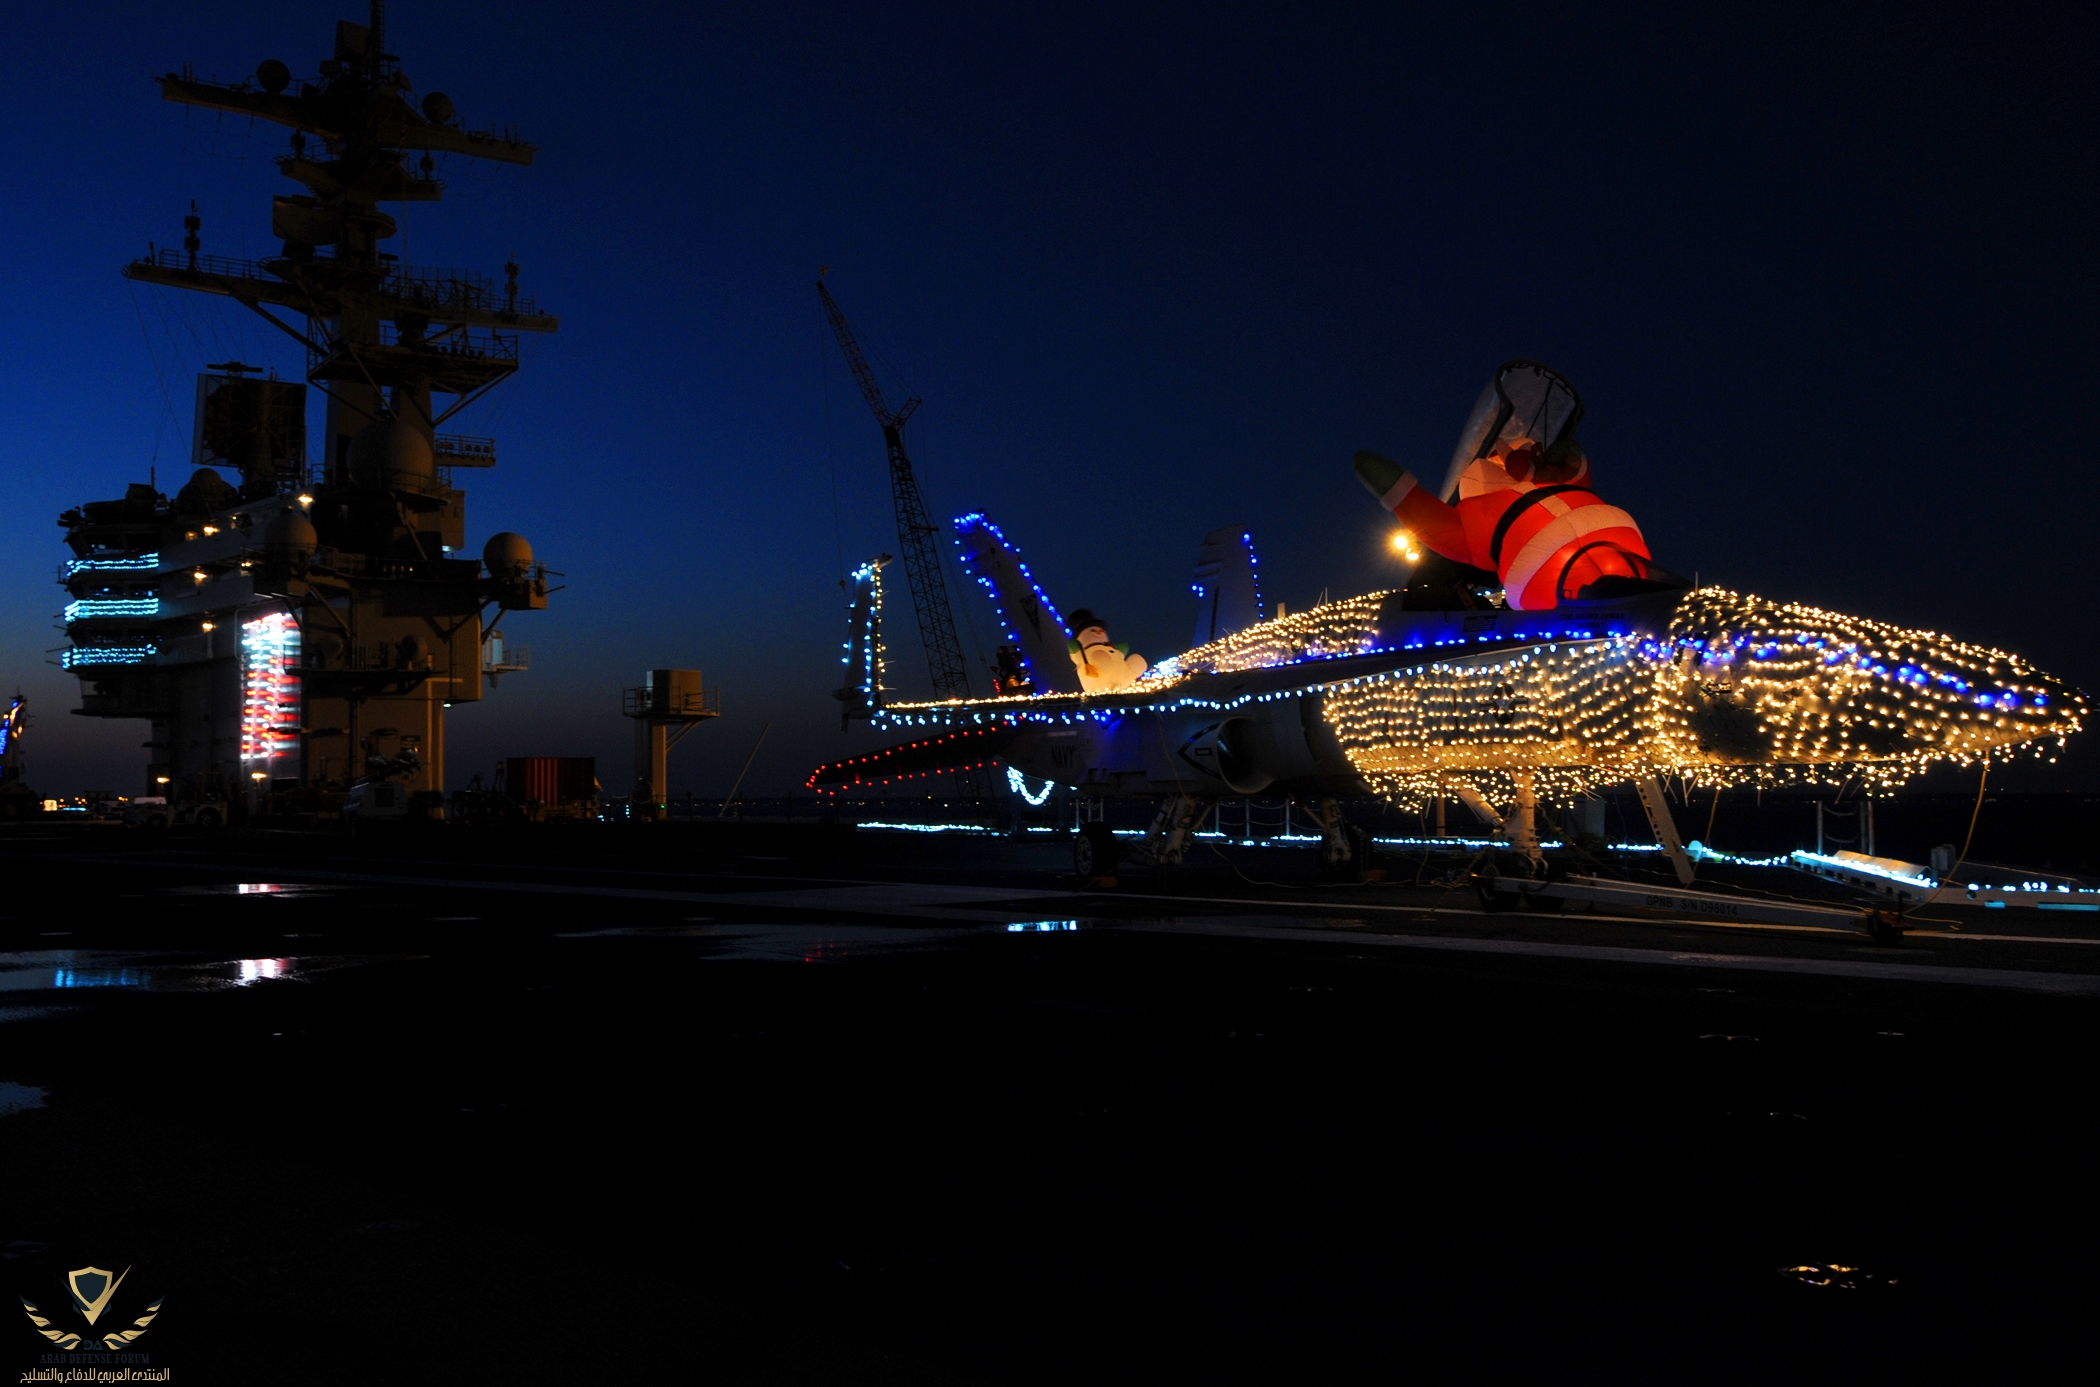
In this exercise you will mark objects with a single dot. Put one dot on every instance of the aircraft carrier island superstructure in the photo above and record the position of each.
(304, 627)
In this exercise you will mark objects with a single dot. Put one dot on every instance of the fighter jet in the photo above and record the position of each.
(1445, 688)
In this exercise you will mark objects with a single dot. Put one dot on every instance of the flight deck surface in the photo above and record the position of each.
(758, 1104)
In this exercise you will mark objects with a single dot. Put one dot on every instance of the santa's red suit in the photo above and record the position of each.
(1538, 527)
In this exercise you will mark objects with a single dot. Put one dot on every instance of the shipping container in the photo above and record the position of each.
(551, 779)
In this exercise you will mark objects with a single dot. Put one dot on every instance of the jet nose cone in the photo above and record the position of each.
(1377, 474)
(2025, 705)
(1795, 684)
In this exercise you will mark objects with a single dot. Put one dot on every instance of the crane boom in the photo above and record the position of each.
(857, 361)
(916, 535)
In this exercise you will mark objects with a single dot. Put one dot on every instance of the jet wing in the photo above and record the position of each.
(953, 751)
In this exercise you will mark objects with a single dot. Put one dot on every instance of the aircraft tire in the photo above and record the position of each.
(1094, 851)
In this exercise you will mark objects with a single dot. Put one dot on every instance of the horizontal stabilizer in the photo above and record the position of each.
(955, 751)
(1030, 621)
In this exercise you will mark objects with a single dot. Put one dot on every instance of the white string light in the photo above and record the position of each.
(1738, 691)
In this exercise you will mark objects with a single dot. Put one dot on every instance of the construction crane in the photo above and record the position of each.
(916, 534)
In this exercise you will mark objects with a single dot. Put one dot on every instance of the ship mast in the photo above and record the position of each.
(295, 641)
(380, 338)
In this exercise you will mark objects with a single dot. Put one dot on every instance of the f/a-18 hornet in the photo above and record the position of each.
(1537, 653)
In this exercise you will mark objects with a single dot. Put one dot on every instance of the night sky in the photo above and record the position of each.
(1827, 284)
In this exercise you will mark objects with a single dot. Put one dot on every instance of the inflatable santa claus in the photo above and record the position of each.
(1517, 507)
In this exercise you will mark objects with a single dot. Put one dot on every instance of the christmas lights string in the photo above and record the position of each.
(866, 638)
(972, 560)
(1335, 630)
(1740, 690)
(269, 689)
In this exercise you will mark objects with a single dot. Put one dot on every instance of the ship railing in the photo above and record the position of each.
(461, 450)
(169, 258)
(430, 288)
(472, 342)
(441, 289)
(644, 702)
(387, 657)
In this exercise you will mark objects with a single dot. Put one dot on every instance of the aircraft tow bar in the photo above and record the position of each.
(1882, 926)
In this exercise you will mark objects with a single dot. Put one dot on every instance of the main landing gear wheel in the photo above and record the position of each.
(1094, 851)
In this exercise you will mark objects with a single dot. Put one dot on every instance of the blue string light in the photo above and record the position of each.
(138, 563)
(89, 608)
(978, 521)
(1018, 783)
(81, 655)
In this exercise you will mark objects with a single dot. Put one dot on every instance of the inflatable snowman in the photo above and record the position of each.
(1102, 667)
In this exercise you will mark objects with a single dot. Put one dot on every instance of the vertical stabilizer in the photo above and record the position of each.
(1029, 618)
(1227, 587)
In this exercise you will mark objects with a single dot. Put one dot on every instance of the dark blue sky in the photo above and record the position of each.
(1827, 284)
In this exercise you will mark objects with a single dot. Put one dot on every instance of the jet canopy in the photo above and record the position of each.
(1525, 399)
